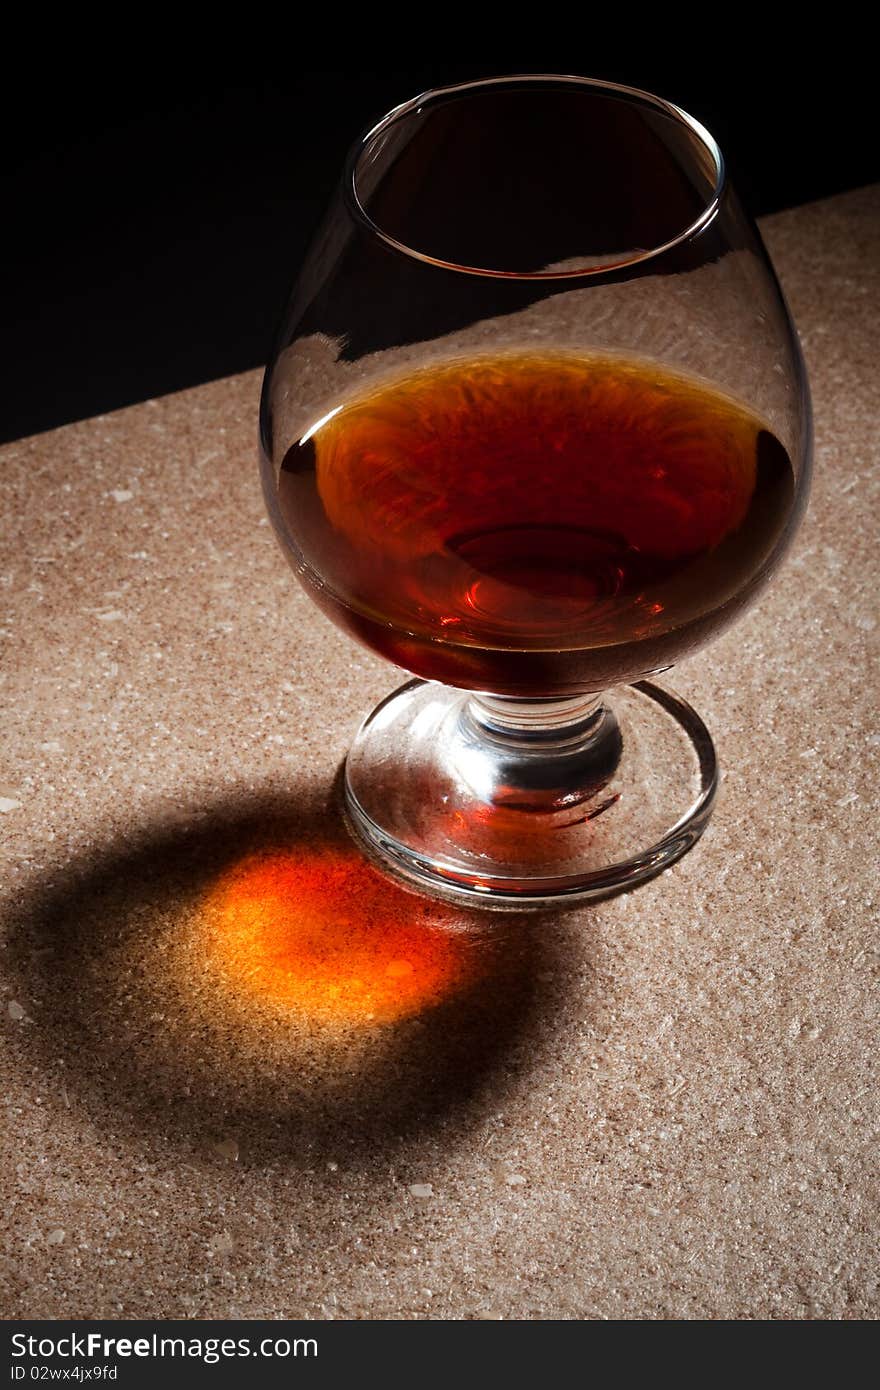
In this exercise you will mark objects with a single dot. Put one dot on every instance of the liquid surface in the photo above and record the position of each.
(485, 521)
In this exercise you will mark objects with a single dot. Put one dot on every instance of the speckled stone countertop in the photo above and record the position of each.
(661, 1107)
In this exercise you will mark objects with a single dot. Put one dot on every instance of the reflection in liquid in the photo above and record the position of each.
(320, 931)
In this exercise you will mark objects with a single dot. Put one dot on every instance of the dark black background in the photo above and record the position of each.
(158, 205)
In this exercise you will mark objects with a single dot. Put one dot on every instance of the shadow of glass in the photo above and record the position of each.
(250, 984)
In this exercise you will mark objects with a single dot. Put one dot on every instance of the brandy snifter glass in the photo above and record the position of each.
(536, 426)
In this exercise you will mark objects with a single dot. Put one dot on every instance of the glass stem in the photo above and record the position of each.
(542, 756)
(554, 722)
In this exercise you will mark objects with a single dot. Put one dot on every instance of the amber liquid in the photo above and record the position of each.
(535, 524)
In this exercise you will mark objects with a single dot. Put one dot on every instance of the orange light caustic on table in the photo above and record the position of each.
(319, 930)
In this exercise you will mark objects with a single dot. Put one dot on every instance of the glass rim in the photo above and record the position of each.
(635, 94)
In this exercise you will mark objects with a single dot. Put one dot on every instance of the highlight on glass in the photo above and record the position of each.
(535, 428)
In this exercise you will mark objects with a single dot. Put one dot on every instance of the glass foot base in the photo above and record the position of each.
(505, 803)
